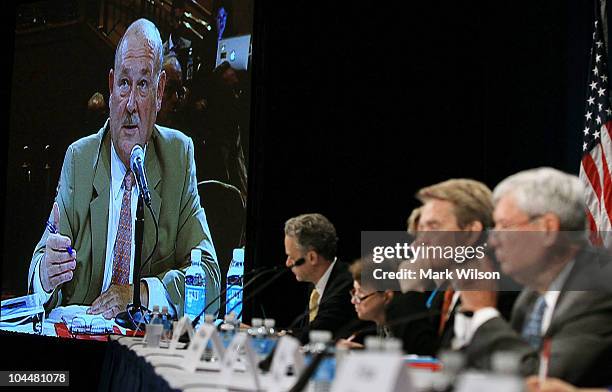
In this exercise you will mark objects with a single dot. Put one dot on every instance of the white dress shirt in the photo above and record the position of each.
(158, 294)
(320, 285)
(465, 327)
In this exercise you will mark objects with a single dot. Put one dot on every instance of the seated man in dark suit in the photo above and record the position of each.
(562, 302)
(312, 237)
(462, 208)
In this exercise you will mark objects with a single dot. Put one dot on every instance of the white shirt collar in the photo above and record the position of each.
(118, 171)
(320, 285)
(551, 296)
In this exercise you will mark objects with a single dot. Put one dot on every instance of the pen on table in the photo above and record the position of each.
(53, 230)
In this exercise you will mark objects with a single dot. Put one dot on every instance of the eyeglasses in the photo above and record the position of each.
(510, 226)
(357, 299)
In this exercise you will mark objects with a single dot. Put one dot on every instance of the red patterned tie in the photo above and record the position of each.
(123, 241)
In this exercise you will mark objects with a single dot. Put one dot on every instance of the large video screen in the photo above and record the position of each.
(127, 164)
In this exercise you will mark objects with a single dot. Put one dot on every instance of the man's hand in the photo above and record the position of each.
(476, 300)
(116, 299)
(57, 265)
(551, 385)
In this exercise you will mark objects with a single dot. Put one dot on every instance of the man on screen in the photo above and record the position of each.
(90, 260)
(310, 245)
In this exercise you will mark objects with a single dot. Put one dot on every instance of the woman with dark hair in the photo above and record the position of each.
(403, 316)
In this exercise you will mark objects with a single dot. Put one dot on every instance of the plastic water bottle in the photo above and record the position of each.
(208, 351)
(323, 376)
(155, 315)
(195, 286)
(154, 328)
(227, 330)
(257, 334)
(270, 337)
(233, 293)
(167, 324)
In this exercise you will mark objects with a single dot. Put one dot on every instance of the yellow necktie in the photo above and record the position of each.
(313, 305)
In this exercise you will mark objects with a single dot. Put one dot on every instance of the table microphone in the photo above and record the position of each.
(302, 381)
(258, 274)
(259, 289)
(137, 166)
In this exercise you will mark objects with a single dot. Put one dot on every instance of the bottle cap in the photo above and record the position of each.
(269, 323)
(196, 255)
(318, 336)
(209, 318)
(373, 343)
(164, 309)
(452, 361)
(505, 362)
(393, 344)
(256, 322)
(156, 308)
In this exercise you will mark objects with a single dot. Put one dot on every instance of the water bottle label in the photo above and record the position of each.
(234, 300)
(195, 280)
(195, 299)
(326, 370)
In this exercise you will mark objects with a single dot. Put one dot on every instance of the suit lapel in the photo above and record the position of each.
(154, 179)
(522, 306)
(98, 210)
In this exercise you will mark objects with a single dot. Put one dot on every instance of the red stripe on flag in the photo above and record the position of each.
(607, 183)
(590, 169)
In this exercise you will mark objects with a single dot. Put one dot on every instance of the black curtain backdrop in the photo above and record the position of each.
(357, 106)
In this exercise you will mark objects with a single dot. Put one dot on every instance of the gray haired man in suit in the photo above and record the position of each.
(535, 210)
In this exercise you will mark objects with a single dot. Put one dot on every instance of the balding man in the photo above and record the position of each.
(95, 207)
(540, 241)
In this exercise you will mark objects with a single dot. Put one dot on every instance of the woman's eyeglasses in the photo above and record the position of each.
(359, 299)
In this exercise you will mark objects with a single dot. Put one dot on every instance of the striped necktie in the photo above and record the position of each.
(313, 305)
(532, 329)
(123, 242)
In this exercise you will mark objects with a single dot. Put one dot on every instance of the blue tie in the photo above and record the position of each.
(532, 329)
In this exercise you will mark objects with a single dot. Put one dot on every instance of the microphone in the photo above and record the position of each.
(302, 381)
(258, 274)
(137, 166)
(296, 263)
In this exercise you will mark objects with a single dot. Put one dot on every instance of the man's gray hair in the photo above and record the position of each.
(313, 232)
(547, 190)
(145, 29)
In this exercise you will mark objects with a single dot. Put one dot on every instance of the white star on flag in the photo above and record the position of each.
(595, 71)
(593, 85)
(596, 134)
(598, 120)
(586, 131)
(591, 101)
(601, 91)
(588, 115)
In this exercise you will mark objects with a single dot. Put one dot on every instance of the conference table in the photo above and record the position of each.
(129, 365)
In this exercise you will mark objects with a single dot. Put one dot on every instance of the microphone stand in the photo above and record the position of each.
(135, 314)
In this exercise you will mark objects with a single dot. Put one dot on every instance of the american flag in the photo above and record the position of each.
(596, 164)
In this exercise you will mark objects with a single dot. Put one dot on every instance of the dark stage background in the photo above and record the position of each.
(356, 106)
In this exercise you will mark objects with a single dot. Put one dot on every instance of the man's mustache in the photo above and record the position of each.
(131, 121)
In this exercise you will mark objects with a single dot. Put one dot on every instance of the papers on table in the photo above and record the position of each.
(78, 321)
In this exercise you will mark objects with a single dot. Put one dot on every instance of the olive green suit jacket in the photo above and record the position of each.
(83, 199)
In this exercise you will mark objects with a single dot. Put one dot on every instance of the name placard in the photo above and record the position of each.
(377, 371)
